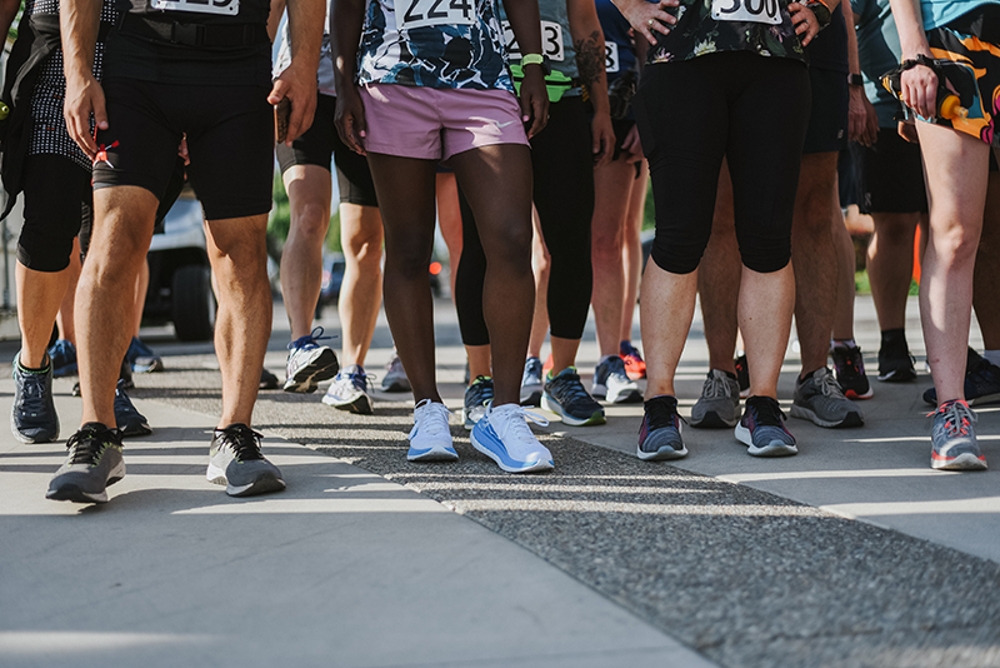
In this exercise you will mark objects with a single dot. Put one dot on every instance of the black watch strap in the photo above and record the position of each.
(855, 80)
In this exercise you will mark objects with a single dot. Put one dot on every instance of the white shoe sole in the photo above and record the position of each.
(537, 467)
(773, 449)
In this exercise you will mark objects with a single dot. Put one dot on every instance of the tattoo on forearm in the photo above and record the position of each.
(590, 59)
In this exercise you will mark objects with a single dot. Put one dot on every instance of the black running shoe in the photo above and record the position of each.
(566, 396)
(743, 375)
(33, 418)
(94, 462)
(130, 421)
(268, 381)
(895, 363)
(235, 460)
(849, 369)
(982, 382)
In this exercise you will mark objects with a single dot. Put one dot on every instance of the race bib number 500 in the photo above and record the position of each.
(225, 7)
(422, 13)
(753, 11)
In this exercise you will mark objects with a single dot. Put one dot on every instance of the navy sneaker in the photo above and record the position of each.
(131, 422)
(349, 391)
(477, 398)
(309, 363)
(93, 463)
(982, 382)
(235, 460)
(566, 396)
(62, 353)
(849, 369)
(612, 383)
(142, 358)
(762, 429)
(953, 438)
(660, 431)
(33, 418)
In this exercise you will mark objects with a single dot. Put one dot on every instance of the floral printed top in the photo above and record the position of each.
(697, 33)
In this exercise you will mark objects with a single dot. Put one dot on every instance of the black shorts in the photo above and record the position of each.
(827, 129)
(319, 144)
(890, 175)
(230, 138)
(57, 205)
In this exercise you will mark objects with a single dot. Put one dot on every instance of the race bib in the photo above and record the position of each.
(552, 41)
(423, 13)
(752, 11)
(225, 7)
(610, 57)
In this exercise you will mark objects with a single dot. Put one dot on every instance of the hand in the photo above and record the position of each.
(84, 97)
(908, 131)
(298, 85)
(632, 147)
(806, 25)
(919, 86)
(349, 118)
(862, 124)
(534, 100)
(182, 150)
(603, 139)
(649, 18)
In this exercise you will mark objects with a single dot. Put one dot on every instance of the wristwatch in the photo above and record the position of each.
(537, 59)
(855, 80)
(820, 11)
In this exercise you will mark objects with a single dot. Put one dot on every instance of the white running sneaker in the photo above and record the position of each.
(430, 438)
(309, 363)
(349, 391)
(504, 436)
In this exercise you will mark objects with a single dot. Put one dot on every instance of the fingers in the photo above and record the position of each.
(540, 116)
(652, 20)
(301, 117)
(278, 92)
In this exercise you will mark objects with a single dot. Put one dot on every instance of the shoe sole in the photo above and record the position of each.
(633, 396)
(964, 462)
(533, 399)
(712, 420)
(307, 379)
(397, 386)
(770, 450)
(852, 419)
(264, 484)
(898, 376)
(551, 405)
(851, 394)
(148, 368)
(360, 406)
(665, 453)
(74, 494)
(135, 429)
(537, 467)
(432, 455)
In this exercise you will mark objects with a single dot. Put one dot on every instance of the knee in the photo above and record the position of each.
(679, 254)
(956, 244)
(606, 245)
(893, 230)
(310, 220)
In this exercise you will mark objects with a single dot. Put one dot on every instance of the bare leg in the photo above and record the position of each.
(309, 191)
(480, 361)
(540, 267)
(843, 326)
(719, 280)
(67, 326)
(612, 191)
(139, 298)
(956, 166)
(987, 275)
(765, 303)
(360, 294)
(450, 219)
(666, 308)
(39, 293)
(632, 249)
(890, 265)
(123, 227)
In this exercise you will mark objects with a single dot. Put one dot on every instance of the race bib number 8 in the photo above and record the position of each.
(752, 11)
(552, 41)
(422, 13)
(610, 57)
(225, 7)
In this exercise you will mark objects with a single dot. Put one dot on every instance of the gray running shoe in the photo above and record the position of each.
(93, 463)
(130, 421)
(33, 418)
(819, 398)
(531, 382)
(612, 383)
(395, 379)
(309, 363)
(566, 396)
(660, 431)
(349, 391)
(762, 429)
(477, 399)
(953, 438)
(235, 460)
(718, 407)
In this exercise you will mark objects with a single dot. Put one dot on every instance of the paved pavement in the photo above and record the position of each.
(853, 553)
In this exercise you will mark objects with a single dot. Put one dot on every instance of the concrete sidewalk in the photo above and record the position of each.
(368, 560)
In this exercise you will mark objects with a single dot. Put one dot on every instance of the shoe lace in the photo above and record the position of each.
(662, 414)
(516, 426)
(766, 411)
(829, 386)
(569, 388)
(423, 413)
(308, 341)
(849, 360)
(244, 442)
(363, 380)
(33, 392)
(958, 417)
(716, 387)
(85, 446)
(481, 390)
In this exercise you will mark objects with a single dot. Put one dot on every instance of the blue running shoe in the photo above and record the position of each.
(762, 429)
(62, 353)
(611, 382)
(430, 438)
(130, 421)
(982, 382)
(142, 358)
(503, 435)
(33, 418)
(566, 396)
(660, 431)
(953, 438)
(477, 397)
(309, 363)
(531, 382)
(349, 391)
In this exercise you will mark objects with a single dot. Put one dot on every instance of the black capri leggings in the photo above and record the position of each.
(747, 108)
(57, 203)
(563, 168)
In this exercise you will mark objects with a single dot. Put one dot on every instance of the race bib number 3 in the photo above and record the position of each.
(753, 11)
(552, 41)
(422, 13)
(225, 7)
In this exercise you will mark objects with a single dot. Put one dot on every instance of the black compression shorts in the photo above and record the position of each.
(230, 138)
(891, 175)
(827, 129)
(57, 203)
(319, 144)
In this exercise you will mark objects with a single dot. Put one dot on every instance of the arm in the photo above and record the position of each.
(274, 18)
(346, 21)
(298, 82)
(919, 84)
(79, 21)
(588, 39)
(8, 10)
(527, 27)
(863, 121)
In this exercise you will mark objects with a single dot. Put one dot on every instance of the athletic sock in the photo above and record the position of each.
(843, 343)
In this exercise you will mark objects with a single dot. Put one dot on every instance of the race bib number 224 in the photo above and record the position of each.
(422, 13)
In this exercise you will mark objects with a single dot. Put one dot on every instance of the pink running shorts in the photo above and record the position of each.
(437, 123)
